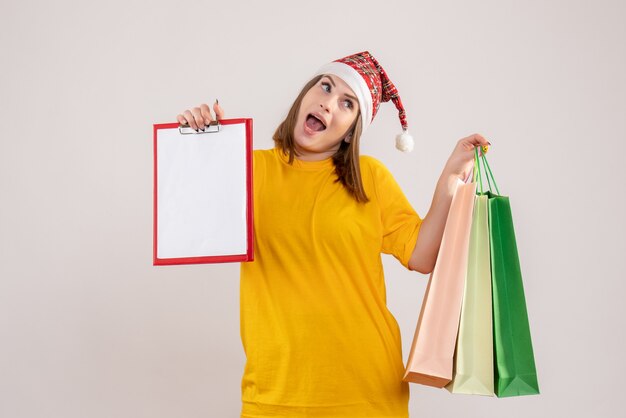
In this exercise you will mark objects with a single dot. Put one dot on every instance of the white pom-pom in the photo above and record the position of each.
(404, 142)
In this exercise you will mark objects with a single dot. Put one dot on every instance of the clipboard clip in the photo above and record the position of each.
(212, 127)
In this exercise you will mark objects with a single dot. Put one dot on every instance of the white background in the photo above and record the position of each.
(89, 328)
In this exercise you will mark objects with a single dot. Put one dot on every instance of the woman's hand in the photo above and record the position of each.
(429, 239)
(461, 161)
(199, 117)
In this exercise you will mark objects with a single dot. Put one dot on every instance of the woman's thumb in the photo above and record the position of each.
(219, 112)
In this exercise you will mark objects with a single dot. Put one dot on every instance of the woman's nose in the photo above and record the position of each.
(327, 105)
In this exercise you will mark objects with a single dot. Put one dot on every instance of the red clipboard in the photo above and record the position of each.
(203, 203)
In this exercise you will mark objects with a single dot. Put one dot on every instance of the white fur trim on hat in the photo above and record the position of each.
(358, 85)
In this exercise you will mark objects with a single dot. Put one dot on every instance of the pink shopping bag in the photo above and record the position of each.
(431, 357)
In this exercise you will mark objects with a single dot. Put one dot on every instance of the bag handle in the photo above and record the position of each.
(478, 172)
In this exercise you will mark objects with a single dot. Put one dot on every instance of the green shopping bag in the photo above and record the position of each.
(473, 357)
(514, 362)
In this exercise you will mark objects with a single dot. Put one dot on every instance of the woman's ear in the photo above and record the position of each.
(348, 138)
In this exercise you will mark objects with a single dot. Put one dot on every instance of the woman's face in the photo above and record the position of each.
(326, 113)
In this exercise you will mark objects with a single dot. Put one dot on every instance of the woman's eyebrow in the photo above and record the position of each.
(334, 85)
(331, 80)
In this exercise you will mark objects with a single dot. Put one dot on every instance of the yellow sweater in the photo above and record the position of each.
(318, 337)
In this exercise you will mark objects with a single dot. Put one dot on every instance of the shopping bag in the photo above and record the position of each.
(432, 351)
(515, 372)
(473, 358)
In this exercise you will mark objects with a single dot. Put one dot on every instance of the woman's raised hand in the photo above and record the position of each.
(200, 117)
(461, 160)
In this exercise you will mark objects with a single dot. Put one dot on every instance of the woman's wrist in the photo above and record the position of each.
(447, 182)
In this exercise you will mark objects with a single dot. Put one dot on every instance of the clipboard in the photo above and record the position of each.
(203, 203)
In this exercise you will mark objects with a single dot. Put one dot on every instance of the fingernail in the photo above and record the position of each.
(217, 101)
(489, 142)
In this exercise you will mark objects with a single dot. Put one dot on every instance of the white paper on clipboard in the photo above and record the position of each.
(203, 194)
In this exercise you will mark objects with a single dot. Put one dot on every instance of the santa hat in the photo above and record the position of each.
(370, 83)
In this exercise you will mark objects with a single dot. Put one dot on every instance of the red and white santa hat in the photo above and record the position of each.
(370, 83)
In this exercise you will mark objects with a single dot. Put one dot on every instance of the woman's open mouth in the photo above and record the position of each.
(314, 124)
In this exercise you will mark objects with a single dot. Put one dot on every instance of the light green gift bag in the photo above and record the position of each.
(473, 358)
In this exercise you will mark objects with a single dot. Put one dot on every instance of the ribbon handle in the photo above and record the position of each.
(478, 171)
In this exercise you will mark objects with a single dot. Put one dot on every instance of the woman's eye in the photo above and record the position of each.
(349, 103)
(324, 85)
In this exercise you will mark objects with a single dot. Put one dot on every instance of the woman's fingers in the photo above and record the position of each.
(219, 112)
(181, 119)
(478, 139)
(469, 142)
(194, 118)
(206, 114)
(189, 120)
(200, 117)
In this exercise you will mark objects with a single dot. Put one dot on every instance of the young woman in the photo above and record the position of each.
(318, 337)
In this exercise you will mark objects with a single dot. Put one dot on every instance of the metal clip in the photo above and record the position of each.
(212, 127)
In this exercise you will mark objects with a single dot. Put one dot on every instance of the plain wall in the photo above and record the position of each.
(90, 328)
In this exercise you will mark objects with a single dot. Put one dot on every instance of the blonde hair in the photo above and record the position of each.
(346, 159)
